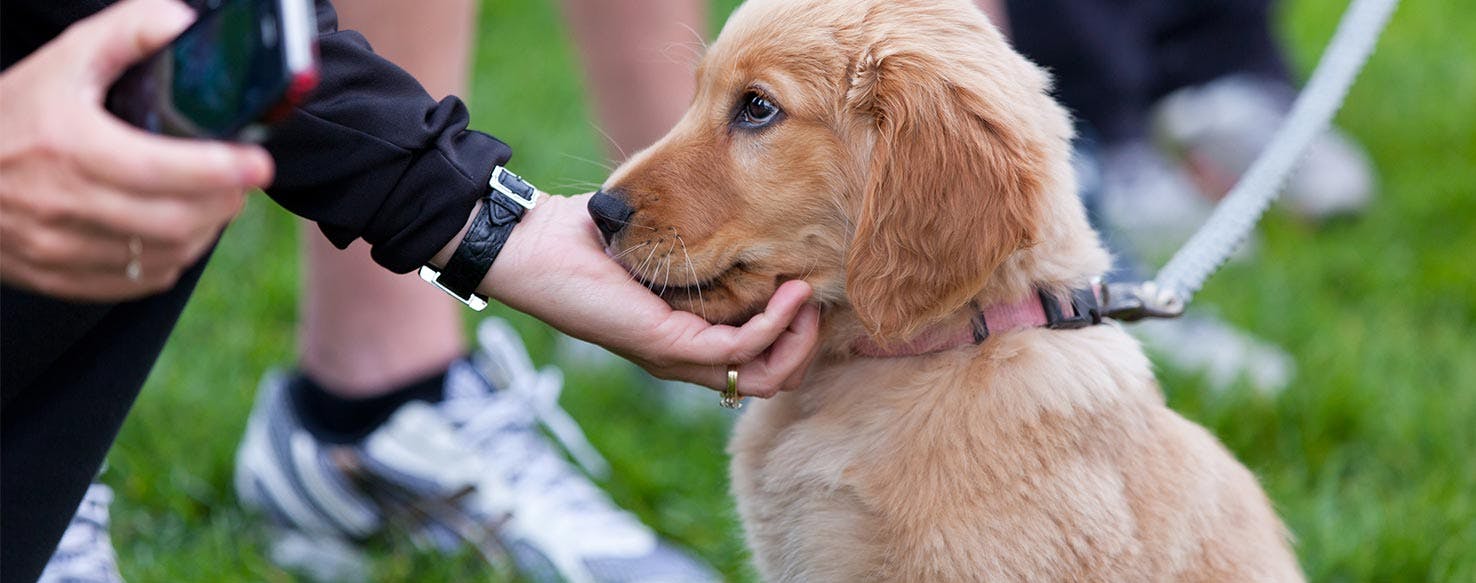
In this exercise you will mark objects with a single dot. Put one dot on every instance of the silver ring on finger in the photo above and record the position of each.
(134, 269)
(731, 398)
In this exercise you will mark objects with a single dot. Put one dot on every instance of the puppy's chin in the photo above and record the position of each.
(732, 300)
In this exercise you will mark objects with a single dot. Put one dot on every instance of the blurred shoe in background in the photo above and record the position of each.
(685, 401)
(473, 468)
(1218, 129)
(1206, 346)
(85, 554)
(1138, 198)
(1148, 199)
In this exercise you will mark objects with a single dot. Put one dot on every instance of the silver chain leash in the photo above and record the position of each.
(1167, 294)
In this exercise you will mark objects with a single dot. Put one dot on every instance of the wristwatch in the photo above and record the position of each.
(510, 197)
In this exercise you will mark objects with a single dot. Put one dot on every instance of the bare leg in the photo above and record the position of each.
(638, 63)
(374, 343)
(362, 330)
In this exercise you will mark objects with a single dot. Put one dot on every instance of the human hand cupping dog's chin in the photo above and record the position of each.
(554, 267)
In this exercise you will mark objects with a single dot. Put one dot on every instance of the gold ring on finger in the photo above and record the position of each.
(134, 270)
(731, 398)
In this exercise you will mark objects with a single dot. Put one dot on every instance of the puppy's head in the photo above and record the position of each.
(896, 154)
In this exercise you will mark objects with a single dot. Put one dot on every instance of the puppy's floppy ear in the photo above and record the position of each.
(955, 176)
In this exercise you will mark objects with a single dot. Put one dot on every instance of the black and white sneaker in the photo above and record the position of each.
(1218, 129)
(473, 469)
(85, 554)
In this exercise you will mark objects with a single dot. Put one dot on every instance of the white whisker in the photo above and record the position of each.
(641, 271)
(689, 287)
(696, 36)
(627, 251)
(701, 303)
(667, 278)
(606, 166)
(623, 155)
(694, 52)
(581, 185)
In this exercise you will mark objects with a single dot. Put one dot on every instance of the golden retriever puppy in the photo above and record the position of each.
(898, 156)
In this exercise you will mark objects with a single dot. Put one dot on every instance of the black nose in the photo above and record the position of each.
(610, 212)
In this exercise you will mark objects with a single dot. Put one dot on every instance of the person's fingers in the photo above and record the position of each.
(712, 376)
(58, 246)
(78, 249)
(126, 33)
(168, 221)
(89, 286)
(802, 339)
(696, 341)
(112, 255)
(759, 332)
(132, 159)
(779, 366)
(94, 229)
(192, 250)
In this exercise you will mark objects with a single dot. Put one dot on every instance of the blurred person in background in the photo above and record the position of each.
(1174, 100)
(105, 230)
(1161, 84)
(383, 358)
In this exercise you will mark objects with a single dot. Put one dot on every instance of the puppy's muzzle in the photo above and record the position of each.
(610, 212)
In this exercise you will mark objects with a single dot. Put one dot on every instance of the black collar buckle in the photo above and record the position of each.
(1083, 302)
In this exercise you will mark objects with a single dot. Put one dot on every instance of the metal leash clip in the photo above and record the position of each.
(1130, 302)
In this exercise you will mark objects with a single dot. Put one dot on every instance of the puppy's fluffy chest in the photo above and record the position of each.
(978, 407)
(1041, 454)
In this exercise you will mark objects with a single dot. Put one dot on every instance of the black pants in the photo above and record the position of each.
(1113, 58)
(69, 374)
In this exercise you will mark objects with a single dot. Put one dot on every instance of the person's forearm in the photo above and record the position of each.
(638, 64)
(439, 260)
(373, 156)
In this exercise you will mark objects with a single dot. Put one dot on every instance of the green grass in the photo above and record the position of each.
(1368, 455)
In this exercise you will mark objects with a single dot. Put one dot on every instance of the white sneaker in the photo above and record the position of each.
(689, 402)
(85, 554)
(1219, 128)
(1208, 346)
(474, 468)
(1149, 200)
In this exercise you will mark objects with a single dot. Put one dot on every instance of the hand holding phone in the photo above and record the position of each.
(243, 65)
(95, 210)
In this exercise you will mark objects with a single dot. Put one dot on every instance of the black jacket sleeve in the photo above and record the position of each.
(372, 156)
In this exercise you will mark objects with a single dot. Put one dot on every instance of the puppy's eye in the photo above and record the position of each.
(756, 111)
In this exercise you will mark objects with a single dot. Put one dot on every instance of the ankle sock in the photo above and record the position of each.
(336, 419)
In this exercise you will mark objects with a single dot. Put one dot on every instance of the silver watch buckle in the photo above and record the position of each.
(526, 201)
(475, 301)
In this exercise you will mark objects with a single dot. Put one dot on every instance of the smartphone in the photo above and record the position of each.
(241, 66)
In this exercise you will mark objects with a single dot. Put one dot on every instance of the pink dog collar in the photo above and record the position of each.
(1083, 307)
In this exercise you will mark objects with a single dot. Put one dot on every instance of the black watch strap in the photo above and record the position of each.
(510, 198)
(473, 258)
